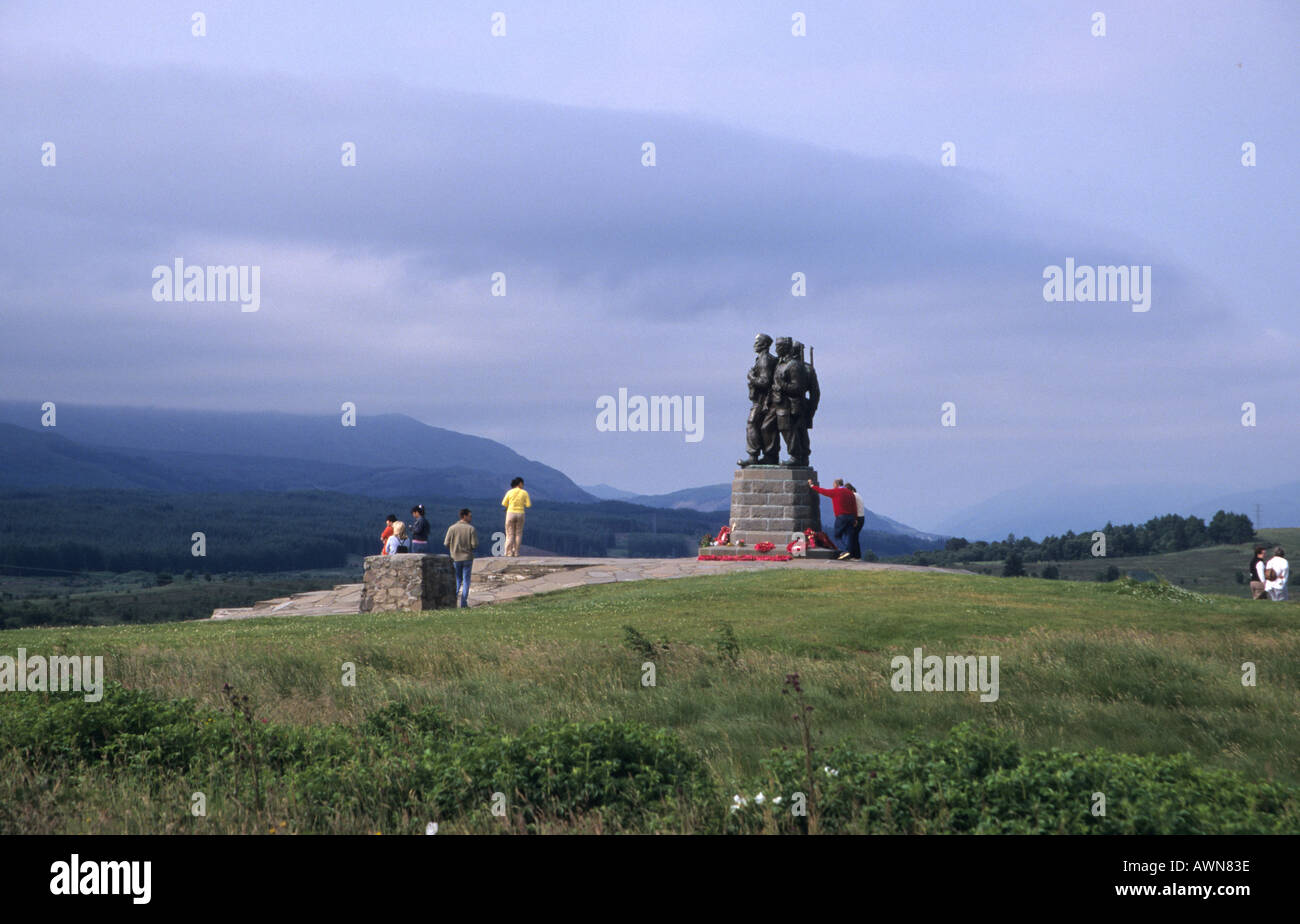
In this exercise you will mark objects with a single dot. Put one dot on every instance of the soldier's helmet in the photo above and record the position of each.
(762, 339)
(783, 345)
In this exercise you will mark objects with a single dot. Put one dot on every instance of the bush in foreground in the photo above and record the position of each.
(135, 753)
(978, 781)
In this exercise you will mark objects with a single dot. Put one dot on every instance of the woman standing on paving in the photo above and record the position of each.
(516, 502)
(419, 530)
(859, 520)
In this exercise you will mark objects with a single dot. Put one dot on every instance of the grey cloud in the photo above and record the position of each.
(469, 184)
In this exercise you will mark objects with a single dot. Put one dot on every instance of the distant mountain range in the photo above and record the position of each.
(385, 455)
(1040, 510)
(1279, 505)
(1035, 510)
(717, 498)
(710, 498)
(188, 451)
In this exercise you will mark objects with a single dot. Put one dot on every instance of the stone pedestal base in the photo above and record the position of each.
(408, 582)
(771, 502)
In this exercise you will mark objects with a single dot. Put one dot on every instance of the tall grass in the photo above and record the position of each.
(1082, 666)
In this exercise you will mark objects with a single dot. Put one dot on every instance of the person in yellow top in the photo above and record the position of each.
(515, 502)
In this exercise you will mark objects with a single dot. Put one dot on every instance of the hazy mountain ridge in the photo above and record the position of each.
(390, 455)
(700, 500)
(1042, 510)
(608, 492)
(180, 451)
(716, 498)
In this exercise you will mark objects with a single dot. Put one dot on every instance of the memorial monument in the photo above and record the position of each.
(770, 497)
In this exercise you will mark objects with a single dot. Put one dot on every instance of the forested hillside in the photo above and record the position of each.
(44, 532)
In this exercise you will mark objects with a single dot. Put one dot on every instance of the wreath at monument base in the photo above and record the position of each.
(811, 539)
(703, 557)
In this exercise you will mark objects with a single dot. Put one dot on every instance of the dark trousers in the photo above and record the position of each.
(844, 527)
(855, 547)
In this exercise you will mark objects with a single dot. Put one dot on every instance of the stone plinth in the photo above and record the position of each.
(770, 502)
(408, 582)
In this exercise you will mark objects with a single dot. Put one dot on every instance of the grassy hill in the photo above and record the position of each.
(1148, 670)
(1209, 570)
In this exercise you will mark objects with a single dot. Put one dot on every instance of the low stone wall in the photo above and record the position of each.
(408, 582)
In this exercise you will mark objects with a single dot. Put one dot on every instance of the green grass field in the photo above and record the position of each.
(1209, 570)
(1083, 665)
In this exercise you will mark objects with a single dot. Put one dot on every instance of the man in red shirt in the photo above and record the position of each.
(845, 505)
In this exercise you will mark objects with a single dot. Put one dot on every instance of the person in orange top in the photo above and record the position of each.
(516, 502)
(388, 531)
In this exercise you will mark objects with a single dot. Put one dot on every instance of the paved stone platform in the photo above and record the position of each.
(343, 598)
(497, 580)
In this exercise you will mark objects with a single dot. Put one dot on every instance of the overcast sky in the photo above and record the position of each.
(775, 154)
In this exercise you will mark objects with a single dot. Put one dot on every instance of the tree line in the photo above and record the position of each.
(1159, 535)
(52, 532)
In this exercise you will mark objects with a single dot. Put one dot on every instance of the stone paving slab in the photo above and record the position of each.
(493, 581)
(344, 598)
(636, 569)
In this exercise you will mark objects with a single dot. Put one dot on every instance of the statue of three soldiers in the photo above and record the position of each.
(783, 397)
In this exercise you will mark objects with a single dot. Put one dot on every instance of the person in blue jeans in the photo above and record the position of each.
(462, 541)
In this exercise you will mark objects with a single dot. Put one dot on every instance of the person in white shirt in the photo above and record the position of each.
(398, 541)
(855, 547)
(1276, 588)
